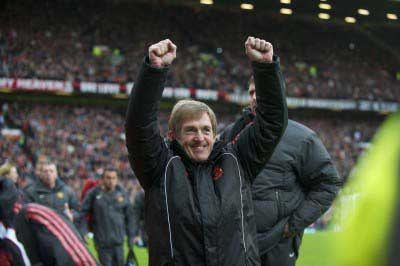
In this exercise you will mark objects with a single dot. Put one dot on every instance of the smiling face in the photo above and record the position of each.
(193, 124)
(197, 137)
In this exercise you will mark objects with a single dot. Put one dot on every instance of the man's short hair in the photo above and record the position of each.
(48, 162)
(109, 169)
(5, 169)
(44, 160)
(41, 159)
(190, 109)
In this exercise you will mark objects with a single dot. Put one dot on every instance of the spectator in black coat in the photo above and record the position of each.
(48, 238)
(110, 212)
(12, 252)
(296, 187)
(50, 191)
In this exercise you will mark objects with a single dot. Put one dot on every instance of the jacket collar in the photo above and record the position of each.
(41, 187)
(247, 115)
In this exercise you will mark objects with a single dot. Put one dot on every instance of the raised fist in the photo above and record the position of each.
(162, 53)
(259, 50)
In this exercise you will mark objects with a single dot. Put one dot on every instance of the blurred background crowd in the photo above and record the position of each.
(106, 42)
(84, 140)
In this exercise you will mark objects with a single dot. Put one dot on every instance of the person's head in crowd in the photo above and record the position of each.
(49, 174)
(8, 201)
(87, 186)
(38, 166)
(10, 171)
(194, 125)
(109, 180)
(99, 171)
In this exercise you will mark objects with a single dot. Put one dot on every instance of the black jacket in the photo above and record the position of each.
(55, 198)
(12, 252)
(50, 239)
(202, 213)
(297, 185)
(111, 216)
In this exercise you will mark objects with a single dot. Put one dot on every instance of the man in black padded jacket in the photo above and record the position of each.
(294, 189)
(49, 239)
(198, 200)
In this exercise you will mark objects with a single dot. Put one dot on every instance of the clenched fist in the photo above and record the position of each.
(162, 53)
(259, 50)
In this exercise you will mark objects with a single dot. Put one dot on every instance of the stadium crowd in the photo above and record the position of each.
(84, 140)
(103, 43)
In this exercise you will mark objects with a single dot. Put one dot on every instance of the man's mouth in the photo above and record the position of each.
(198, 148)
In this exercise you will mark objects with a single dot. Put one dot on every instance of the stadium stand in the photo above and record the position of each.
(103, 43)
(84, 139)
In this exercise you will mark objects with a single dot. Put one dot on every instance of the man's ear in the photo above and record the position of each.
(171, 135)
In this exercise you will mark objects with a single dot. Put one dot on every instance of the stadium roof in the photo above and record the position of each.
(375, 11)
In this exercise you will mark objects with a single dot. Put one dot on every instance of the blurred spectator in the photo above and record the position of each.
(111, 218)
(9, 171)
(50, 191)
(83, 140)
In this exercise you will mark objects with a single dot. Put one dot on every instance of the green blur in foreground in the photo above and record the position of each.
(313, 251)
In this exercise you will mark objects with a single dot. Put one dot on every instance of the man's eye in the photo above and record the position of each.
(190, 130)
(207, 130)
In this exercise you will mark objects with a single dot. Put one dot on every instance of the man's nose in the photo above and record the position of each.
(199, 136)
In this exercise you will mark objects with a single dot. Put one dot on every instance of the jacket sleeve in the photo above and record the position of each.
(86, 211)
(73, 203)
(320, 178)
(28, 196)
(25, 234)
(256, 143)
(128, 216)
(138, 206)
(146, 149)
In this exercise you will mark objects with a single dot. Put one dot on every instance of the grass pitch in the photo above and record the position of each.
(313, 252)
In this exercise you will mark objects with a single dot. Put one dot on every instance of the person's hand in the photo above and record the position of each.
(162, 53)
(131, 242)
(287, 233)
(259, 50)
(68, 212)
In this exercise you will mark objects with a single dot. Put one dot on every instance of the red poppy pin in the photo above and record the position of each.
(217, 173)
